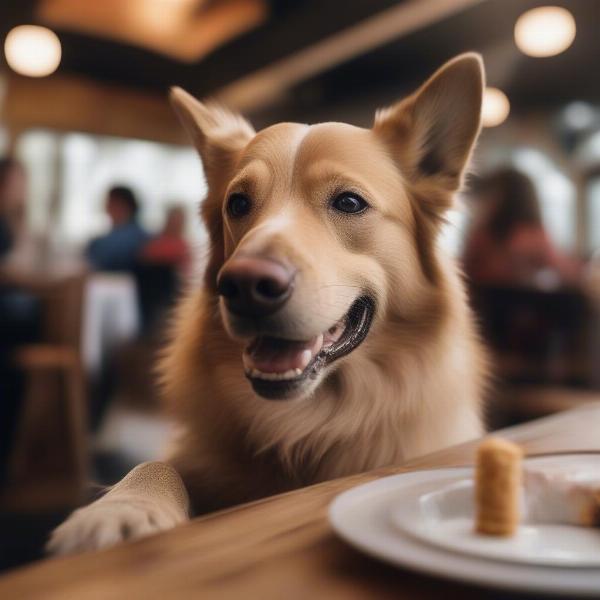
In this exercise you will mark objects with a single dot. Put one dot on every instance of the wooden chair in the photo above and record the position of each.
(541, 350)
(55, 387)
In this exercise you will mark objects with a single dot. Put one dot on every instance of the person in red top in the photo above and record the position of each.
(508, 243)
(170, 247)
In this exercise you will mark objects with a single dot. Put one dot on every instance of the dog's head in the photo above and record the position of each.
(319, 231)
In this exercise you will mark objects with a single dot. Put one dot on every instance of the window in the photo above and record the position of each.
(69, 175)
(593, 214)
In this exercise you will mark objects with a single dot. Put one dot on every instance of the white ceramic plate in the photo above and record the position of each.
(401, 520)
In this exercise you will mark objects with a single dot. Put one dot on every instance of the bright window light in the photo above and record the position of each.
(495, 107)
(593, 216)
(579, 115)
(545, 31)
(33, 51)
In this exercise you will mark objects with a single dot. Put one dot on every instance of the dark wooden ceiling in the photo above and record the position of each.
(357, 86)
(392, 70)
(293, 24)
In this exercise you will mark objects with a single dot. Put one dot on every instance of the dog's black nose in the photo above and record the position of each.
(255, 286)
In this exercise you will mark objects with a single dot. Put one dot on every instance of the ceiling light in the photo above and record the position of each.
(545, 31)
(495, 107)
(32, 50)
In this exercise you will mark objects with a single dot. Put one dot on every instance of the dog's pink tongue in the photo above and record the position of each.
(273, 355)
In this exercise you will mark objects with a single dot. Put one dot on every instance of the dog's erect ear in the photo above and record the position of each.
(432, 132)
(219, 136)
(217, 133)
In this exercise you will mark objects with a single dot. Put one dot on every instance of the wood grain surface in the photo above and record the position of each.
(280, 547)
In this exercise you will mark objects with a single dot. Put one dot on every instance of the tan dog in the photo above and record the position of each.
(331, 336)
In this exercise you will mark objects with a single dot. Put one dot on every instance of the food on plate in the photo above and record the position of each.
(498, 481)
(560, 498)
(506, 494)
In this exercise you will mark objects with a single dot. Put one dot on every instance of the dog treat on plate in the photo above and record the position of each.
(560, 498)
(497, 487)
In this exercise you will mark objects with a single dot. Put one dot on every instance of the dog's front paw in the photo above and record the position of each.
(112, 520)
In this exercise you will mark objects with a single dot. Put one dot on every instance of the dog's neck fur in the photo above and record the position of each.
(389, 383)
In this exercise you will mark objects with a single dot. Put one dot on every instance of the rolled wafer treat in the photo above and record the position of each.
(498, 487)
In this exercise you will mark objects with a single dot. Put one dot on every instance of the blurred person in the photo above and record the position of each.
(15, 240)
(19, 307)
(508, 243)
(170, 247)
(164, 261)
(119, 249)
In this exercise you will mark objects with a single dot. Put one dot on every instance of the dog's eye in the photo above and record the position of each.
(238, 205)
(348, 202)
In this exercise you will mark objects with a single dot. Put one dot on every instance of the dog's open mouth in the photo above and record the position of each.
(278, 367)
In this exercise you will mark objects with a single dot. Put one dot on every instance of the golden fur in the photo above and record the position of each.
(413, 386)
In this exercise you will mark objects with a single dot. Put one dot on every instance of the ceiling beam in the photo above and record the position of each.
(263, 87)
(78, 104)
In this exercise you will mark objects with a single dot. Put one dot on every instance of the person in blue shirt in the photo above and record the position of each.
(119, 249)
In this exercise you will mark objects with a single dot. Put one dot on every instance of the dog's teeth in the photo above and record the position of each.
(262, 375)
(317, 345)
(289, 374)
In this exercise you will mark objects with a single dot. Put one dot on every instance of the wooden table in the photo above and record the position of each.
(281, 547)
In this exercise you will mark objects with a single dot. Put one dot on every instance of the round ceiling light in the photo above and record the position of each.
(545, 31)
(32, 50)
(495, 107)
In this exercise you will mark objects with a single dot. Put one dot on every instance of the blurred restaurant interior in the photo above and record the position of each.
(88, 142)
